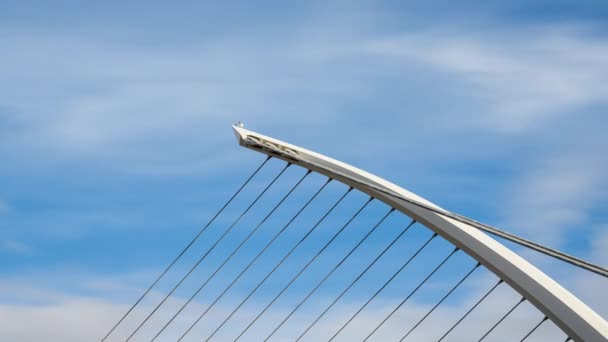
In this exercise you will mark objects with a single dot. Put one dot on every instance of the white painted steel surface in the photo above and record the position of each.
(569, 313)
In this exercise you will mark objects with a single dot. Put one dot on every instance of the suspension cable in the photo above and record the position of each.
(500, 281)
(252, 262)
(534, 329)
(315, 226)
(355, 280)
(185, 249)
(316, 255)
(412, 293)
(286, 257)
(554, 253)
(207, 253)
(326, 277)
(242, 243)
(523, 299)
(440, 301)
(311, 292)
(384, 285)
(235, 310)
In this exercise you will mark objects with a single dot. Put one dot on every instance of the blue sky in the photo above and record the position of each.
(116, 144)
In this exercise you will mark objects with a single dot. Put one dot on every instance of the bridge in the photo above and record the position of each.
(290, 281)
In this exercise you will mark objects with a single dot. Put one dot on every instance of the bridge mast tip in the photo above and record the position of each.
(239, 131)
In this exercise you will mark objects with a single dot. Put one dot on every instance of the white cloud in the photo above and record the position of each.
(131, 93)
(154, 111)
(138, 94)
(556, 196)
(532, 83)
(70, 321)
(526, 77)
(103, 99)
(77, 318)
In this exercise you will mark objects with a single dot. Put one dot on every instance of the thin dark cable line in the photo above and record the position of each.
(251, 233)
(384, 285)
(534, 329)
(502, 319)
(209, 251)
(412, 293)
(440, 301)
(309, 232)
(235, 310)
(500, 281)
(254, 259)
(568, 339)
(287, 256)
(578, 262)
(355, 280)
(311, 292)
(185, 249)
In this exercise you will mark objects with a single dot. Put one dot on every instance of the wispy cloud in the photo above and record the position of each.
(135, 95)
(526, 79)
(76, 318)
(139, 93)
(530, 83)
(557, 196)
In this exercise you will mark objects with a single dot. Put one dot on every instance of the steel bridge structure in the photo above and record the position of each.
(575, 319)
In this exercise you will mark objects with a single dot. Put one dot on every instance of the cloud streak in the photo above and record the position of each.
(525, 79)
(55, 320)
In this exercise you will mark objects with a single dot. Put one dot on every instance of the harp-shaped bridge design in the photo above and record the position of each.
(557, 305)
(575, 318)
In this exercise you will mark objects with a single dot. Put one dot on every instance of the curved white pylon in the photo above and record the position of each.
(569, 313)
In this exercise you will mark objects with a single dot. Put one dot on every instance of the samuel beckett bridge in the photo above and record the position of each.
(313, 249)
